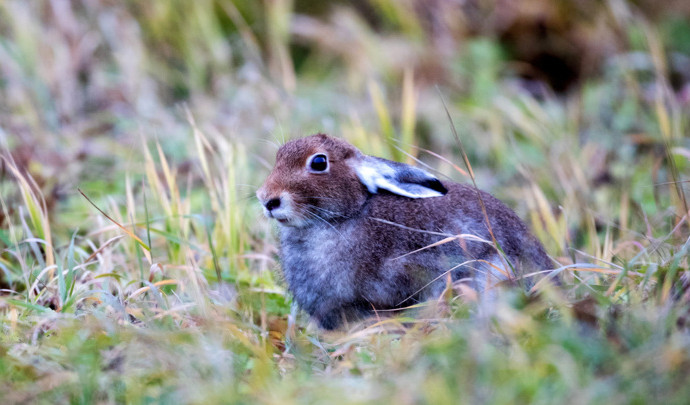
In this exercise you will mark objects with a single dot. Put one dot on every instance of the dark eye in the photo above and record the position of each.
(318, 163)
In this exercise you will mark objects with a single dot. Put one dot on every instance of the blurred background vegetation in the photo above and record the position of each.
(167, 115)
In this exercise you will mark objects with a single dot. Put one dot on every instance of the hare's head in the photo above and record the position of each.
(320, 178)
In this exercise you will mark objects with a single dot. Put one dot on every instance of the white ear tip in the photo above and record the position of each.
(397, 178)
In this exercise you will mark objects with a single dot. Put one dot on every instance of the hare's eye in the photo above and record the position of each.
(318, 163)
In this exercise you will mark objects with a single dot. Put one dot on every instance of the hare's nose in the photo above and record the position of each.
(272, 204)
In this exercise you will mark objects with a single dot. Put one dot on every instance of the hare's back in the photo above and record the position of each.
(463, 210)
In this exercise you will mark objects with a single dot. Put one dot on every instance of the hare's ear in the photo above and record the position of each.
(397, 178)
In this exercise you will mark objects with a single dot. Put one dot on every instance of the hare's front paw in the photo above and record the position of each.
(330, 320)
(333, 317)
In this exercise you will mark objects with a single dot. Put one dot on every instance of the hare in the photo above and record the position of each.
(360, 233)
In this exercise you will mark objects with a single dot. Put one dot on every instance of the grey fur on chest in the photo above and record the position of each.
(317, 264)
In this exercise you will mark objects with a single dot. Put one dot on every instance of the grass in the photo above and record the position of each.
(136, 267)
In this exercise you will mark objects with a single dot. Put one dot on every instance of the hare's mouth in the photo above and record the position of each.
(283, 220)
(290, 221)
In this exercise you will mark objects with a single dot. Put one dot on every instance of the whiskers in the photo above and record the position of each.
(320, 214)
(324, 211)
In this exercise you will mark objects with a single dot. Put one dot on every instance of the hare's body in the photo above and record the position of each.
(356, 265)
(381, 250)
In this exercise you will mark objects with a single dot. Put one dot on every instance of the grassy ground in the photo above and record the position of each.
(136, 267)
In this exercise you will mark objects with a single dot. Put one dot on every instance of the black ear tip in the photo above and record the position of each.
(436, 185)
